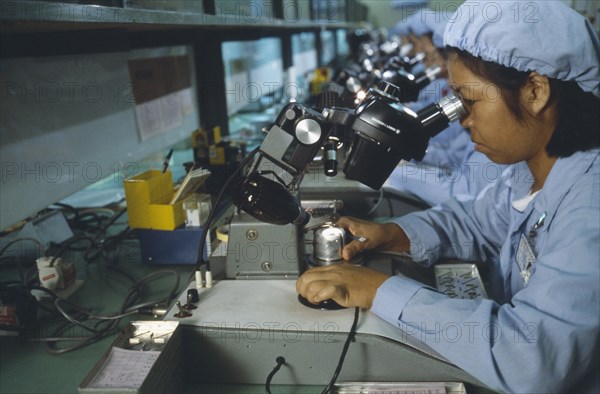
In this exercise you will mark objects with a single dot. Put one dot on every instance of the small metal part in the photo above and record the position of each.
(252, 235)
(266, 266)
(359, 238)
(459, 281)
(327, 220)
(182, 312)
(290, 114)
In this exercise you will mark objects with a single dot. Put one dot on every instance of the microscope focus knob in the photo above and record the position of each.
(308, 131)
(193, 296)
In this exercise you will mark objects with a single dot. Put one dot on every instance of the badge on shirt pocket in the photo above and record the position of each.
(525, 258)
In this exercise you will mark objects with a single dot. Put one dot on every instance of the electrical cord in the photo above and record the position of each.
(19, 267)
(210, 218)
(130, 310)
(112, 244)
(100, 244)
(349, 339)
(280, 361)
(88, 314)
(14, 241)
(106, 325)
(86, 219)
(51, 345)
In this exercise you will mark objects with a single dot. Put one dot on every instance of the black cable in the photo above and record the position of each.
(22, 275)
(280, 361)
(113, 219)
(112, 245)
(129, 310)
(343, 355)
(83, 219)
(51, 345)
(101, 247)
(111, 323)
(14, 241)
(71, 245)
(211, 215)
(69, 208)
(100, 244)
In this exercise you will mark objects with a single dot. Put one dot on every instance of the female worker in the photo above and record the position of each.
(530, 80)
(451, 167)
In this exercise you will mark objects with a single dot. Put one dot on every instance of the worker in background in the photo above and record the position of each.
(403, 29)
(451, 167)
(532, 93)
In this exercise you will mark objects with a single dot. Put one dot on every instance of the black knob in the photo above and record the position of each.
(330, 159)
(192, 295)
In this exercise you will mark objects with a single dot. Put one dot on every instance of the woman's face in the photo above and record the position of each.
(496, 132)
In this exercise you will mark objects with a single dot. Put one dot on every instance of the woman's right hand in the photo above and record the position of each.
(375, 236)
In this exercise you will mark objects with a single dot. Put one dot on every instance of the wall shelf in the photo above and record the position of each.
(46, 45)
(39, 16)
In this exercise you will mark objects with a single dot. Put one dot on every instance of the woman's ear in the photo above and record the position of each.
(535, 94)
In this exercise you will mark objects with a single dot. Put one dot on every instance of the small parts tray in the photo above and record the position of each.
(459, 281)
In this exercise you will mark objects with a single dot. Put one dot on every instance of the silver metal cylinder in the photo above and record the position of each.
(328, 243)
(452, 107)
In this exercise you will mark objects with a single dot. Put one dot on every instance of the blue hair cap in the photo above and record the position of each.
(413, 24)
(545, 36)
(436, 24)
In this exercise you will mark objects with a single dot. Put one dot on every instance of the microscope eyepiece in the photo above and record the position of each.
(452, 107)
(385, 134)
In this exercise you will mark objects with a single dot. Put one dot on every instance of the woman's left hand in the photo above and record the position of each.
(347, 284)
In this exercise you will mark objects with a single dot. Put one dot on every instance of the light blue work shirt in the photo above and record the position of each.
(450, 147)
(538, 337)
(451, 177)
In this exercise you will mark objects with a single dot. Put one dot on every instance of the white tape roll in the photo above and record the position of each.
(223, 233)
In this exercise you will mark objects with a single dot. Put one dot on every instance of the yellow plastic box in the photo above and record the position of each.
(148, 195)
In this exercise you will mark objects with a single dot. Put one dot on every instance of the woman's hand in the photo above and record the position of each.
(347, 284)
(385, 237)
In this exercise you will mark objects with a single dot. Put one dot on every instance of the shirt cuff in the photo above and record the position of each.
(424, 241)
(392, 296)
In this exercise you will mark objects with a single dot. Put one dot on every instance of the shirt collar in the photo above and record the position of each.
(565, 172)
(522, 203)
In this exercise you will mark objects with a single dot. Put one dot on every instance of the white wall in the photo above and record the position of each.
(70, 121)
